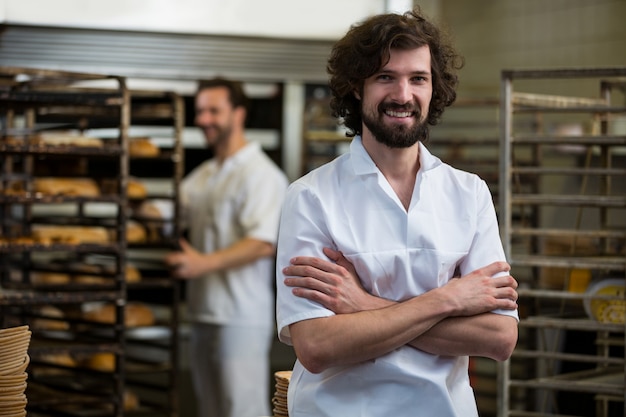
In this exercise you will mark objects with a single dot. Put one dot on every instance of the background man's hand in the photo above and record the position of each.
(186, 263)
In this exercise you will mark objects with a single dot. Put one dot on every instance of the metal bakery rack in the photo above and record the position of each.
(89, 354)
(562, 215)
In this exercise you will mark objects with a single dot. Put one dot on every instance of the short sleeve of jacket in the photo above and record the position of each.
(259, 213)
(487, 245)
(302, 232)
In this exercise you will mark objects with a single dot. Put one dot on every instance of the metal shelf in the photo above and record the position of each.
(589, 262)
(568, 188)
(50, 100)
(604, 381)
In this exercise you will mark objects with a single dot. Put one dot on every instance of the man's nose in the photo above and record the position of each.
(203, 118)
(402, 92)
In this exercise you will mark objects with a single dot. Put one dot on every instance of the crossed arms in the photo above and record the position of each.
(453, 320)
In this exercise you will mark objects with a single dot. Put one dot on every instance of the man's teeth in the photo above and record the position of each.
(398, 113)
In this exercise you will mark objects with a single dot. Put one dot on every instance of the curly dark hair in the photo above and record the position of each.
(366, 48)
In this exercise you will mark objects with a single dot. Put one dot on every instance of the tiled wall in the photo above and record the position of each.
(520, 34)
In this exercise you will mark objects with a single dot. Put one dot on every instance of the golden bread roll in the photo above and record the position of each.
(151, 216)
(131, 401)
(136, 189)
(63, 359)
(91, 280)
(68, 139)
(81, 267)
(135, 232)
(14, 188)
(19, 240)
(132, 275)
(70, 234)
(136, 314)
(49, 278)
(84, 187)
(101, 314)
(149, 210)
(50, 323)
(102, 361)
(142, 147)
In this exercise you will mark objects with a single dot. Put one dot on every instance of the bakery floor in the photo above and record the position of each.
(282, 358)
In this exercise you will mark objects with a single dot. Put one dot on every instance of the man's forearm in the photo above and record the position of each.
(350, 338)
(241, 253)
(488, 334)
(432, 327)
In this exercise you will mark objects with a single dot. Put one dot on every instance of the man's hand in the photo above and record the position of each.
(335, 285)
(479, 292)
(187, 263)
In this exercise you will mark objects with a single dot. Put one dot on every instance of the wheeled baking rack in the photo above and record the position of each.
(34, 101)
(562, 210)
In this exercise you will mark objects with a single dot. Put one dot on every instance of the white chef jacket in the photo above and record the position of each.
(348, 205)
(223, 204)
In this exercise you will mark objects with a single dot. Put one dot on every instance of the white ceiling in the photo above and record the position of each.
(319, 19)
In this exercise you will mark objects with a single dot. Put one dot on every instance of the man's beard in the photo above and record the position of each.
(221, 135)
(396, 136)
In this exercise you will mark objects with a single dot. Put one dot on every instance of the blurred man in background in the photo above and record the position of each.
(232, 206)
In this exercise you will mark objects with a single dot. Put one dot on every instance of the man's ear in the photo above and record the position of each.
(241, 113)
(357, 95)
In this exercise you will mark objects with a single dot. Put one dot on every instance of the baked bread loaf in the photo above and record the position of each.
(102, 361)
(149, 210)
(131, 400)
(49, 278)
(18, 240)
(53, 312)
(132, 275)
(152, 218)
(14, 188)
(135, 232)
(91, 280)
(63, 359)
(47, 234)
(84, 187)
(142, 147)
(136, 189)
(136, 314)
(67, 139)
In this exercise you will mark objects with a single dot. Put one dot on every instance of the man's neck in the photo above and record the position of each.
(393, 162)
(398, 165)
(230, 147)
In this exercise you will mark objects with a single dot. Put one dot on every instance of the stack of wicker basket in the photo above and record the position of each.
(14, 360)
(279, 401)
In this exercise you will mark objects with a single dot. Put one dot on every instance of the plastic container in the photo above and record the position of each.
(603, 310)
